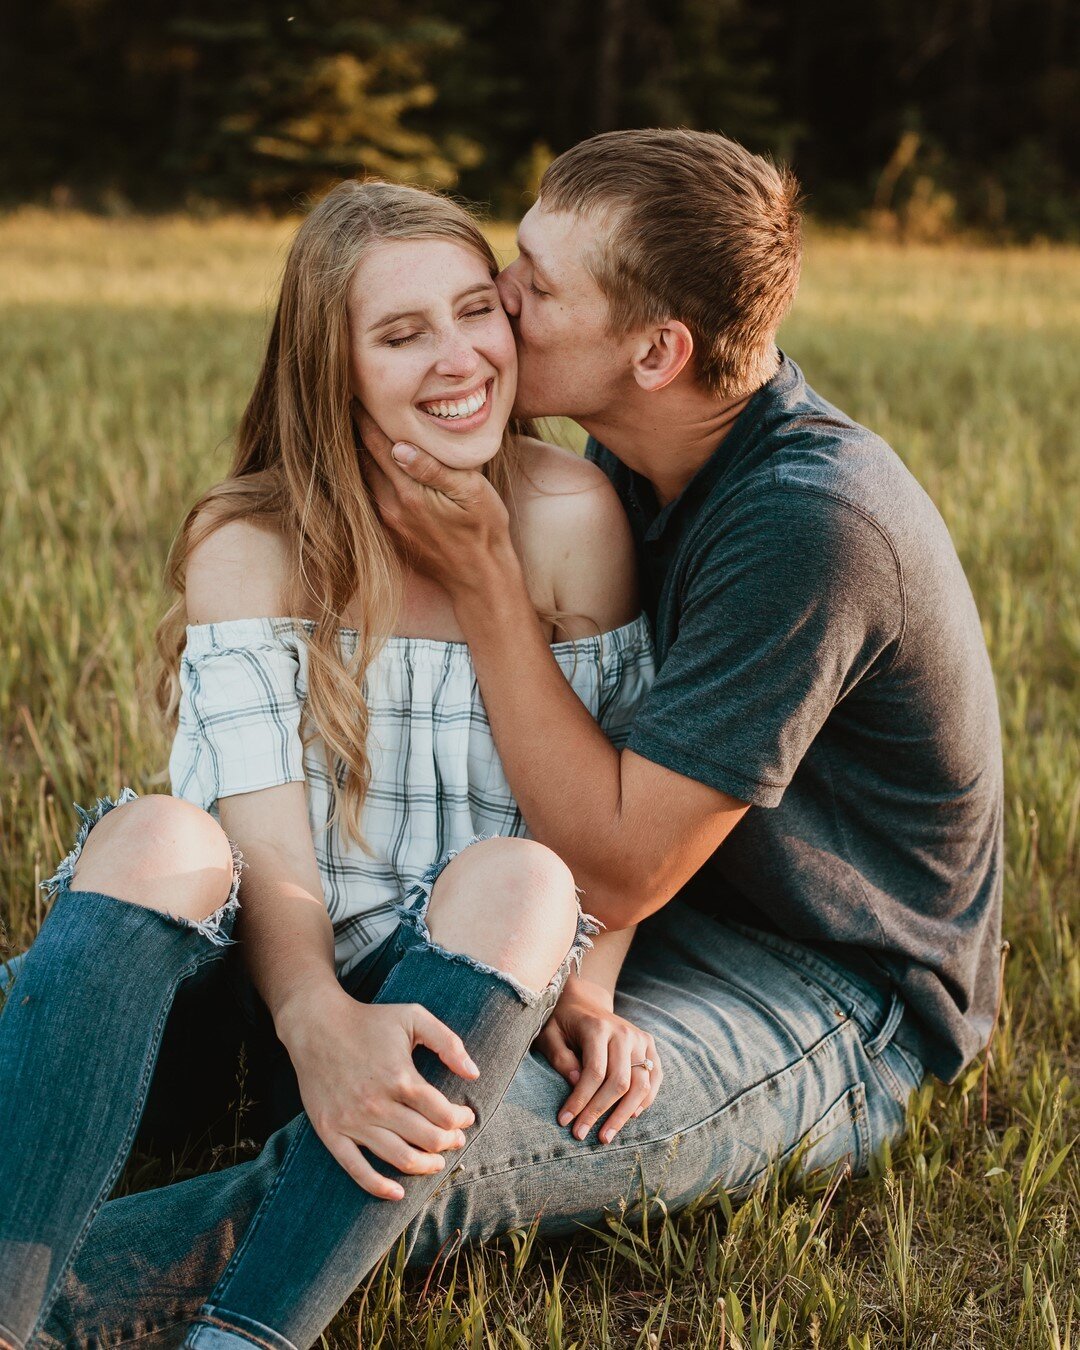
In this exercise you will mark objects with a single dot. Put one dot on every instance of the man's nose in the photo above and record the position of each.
(508, 290)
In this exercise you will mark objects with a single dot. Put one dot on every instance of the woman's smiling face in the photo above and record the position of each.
(432, 355)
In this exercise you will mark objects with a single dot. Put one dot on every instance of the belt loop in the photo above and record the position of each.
(875, 1046)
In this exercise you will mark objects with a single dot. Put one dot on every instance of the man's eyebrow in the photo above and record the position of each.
(387, 319)
(537, 267)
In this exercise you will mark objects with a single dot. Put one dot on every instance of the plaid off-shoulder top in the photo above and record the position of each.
(436, 779)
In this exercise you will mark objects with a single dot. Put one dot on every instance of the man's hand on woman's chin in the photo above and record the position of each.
(450, 524)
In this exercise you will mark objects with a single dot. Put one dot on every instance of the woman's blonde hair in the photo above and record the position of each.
(297, 470)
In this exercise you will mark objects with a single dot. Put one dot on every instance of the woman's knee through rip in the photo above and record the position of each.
(160, 852)
(510, 903)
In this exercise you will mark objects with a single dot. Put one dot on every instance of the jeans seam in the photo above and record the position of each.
(886, 1076)
(121, 1155)
(862, 1135)
(835, 986)
(275, 1185)
(918, 1069)
(610, 1150)
(211, 1320)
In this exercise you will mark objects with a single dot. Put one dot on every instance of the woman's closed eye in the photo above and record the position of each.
(406, 338)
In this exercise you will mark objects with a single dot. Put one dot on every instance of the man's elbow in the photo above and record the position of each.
(621, 902)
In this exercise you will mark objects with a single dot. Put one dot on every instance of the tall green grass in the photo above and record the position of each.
(126, 351)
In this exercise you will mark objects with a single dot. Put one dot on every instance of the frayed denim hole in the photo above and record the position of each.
(413, 915)
(216, 927)
(61, 879)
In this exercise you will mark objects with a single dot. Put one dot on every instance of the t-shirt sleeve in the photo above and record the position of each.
(785, 606)
(239, 720)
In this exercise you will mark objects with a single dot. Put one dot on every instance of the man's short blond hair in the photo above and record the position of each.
(697, 229)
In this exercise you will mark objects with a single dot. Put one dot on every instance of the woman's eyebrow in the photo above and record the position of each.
(484, 287)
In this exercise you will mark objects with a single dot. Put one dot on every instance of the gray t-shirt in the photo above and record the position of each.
(820, 656)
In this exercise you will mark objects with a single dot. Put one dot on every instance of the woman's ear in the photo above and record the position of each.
(661, 355)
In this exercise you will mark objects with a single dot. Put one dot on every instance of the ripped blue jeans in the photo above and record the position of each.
(80, 1034)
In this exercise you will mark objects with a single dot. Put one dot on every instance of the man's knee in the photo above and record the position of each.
(510, 903)
(159, 852)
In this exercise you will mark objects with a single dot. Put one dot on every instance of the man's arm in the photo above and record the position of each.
(631, 831)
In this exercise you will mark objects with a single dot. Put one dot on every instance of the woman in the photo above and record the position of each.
(328, 715)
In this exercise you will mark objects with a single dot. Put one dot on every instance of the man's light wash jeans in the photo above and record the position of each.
(765, 1044)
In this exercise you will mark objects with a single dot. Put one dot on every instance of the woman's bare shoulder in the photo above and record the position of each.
(575, 534)
(236, 570)
(551, 470)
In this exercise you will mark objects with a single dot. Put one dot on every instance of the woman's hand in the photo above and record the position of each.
(359, 1084)
(595, 1051)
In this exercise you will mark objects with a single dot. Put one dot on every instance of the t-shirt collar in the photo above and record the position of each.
(643, 497)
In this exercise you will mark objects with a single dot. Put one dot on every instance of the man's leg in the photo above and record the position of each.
(757, 1053)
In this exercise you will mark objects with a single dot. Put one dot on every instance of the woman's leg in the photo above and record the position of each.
(145, 901)
(489, 962)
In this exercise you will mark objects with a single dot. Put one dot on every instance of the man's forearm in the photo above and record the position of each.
(564, 772)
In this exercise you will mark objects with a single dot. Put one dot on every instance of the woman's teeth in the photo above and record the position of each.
(464, 407)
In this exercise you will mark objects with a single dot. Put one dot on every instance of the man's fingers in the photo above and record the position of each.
(437, 1036)
(557, 1050)
(433, 473)
(347, 1153)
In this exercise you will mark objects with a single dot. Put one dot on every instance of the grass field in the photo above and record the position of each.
(126, 351)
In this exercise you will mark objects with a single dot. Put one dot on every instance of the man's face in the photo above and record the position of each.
(569, 364)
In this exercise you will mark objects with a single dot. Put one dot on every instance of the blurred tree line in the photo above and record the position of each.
(922, 115)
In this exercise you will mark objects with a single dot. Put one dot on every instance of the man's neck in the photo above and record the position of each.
(669, 435)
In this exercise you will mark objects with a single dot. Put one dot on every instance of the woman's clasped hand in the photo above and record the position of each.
(610, 1064)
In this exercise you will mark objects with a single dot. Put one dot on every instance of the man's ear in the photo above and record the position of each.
(661, 355)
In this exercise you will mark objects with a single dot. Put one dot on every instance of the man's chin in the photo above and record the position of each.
(528, 410)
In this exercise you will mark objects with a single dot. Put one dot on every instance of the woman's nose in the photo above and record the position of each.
(457, 358)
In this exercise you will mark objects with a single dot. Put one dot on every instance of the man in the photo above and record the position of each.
(818, 765)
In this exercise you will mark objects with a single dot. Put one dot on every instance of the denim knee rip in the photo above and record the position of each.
(413, 914)
(215, 927)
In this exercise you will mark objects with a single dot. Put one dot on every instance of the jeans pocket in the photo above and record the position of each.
(842, 1135)
(898, 1073)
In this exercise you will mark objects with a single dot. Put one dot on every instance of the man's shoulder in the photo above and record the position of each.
(813, 446)
(812, 466)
